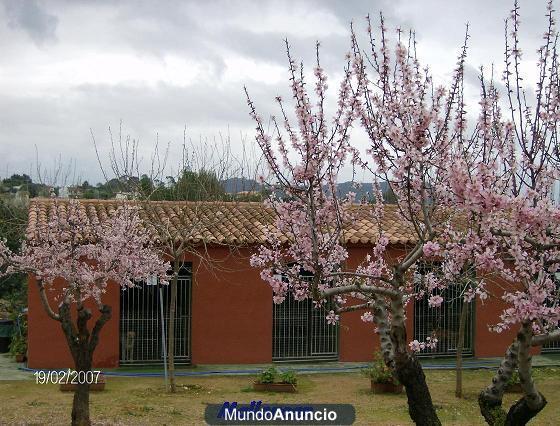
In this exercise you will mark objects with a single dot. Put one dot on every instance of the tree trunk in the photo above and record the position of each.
(171, 328)
(533, 401)
(410, 373)
(521, 412)
(460, 345)
(80, 404)
(420, 405)
(82, 361)
(384, 331)
(490, 399)
(82, 344)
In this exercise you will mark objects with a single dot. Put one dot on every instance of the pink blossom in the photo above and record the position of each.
(88, 256)
(416, 346)
(431, 249)
(367, 317)
(435, 301)
(431, 343)
(332, 318)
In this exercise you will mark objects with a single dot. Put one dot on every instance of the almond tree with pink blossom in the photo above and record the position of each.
(74, 259)
(476, 197)
(412, 128)
(503, 180)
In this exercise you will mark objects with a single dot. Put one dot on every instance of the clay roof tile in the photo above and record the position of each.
(217, 222)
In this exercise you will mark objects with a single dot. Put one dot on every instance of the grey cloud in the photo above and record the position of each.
(164, 104)
(32, 18)
(472, 78)
(60, 126)
(203, 33)
(148, 27)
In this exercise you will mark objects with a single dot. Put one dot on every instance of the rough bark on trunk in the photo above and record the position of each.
(420, 405)
(80, 404)
(460, 345)
(520, 413)
(490, 399)
(82, 345)
(409, 372)
(171, 329)
(384, 331)
(533, 401)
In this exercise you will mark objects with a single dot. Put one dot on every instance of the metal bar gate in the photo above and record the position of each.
(140, 322)
(444, 322)
(551, 347)
(301, 332)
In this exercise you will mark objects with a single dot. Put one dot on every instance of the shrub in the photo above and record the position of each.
(288, 377)
(379, 372)
(268, 376)
(513, 380)
(18, 345)
(498, 416)
(19, 338)
(272, 375)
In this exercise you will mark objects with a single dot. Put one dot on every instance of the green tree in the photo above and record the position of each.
(198, 186)
(13, 221)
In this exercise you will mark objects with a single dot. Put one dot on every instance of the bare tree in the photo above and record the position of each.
(192, 191)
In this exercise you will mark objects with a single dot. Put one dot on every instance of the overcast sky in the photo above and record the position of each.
(70, 66)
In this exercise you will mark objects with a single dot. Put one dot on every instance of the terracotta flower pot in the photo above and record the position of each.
(275, 387)
(20, 357)
(386, 387)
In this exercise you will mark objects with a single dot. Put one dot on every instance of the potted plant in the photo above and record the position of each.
(273, 381)
(382, 377)
(513, 385)
(18, 344)
(18, 347)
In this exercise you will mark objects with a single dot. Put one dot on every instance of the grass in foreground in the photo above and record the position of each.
(143, 401)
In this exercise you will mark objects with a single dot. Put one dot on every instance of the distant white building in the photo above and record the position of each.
(63, 192)
(121, 195)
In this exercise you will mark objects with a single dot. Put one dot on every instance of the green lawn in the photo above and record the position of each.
(141, 401)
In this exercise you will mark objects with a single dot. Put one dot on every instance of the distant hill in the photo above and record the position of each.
(364, 191)
(236, 184)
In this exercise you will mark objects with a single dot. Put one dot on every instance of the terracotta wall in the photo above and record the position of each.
(358, 340)
(357, 343)
(232, 320)
(231, 312)
(47, 347)
(489, 343)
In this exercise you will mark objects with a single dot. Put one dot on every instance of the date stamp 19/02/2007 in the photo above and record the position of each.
(67, 377)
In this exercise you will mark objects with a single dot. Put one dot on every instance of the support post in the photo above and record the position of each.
(164, 346)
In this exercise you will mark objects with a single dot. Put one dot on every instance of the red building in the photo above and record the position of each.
(226, 314)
